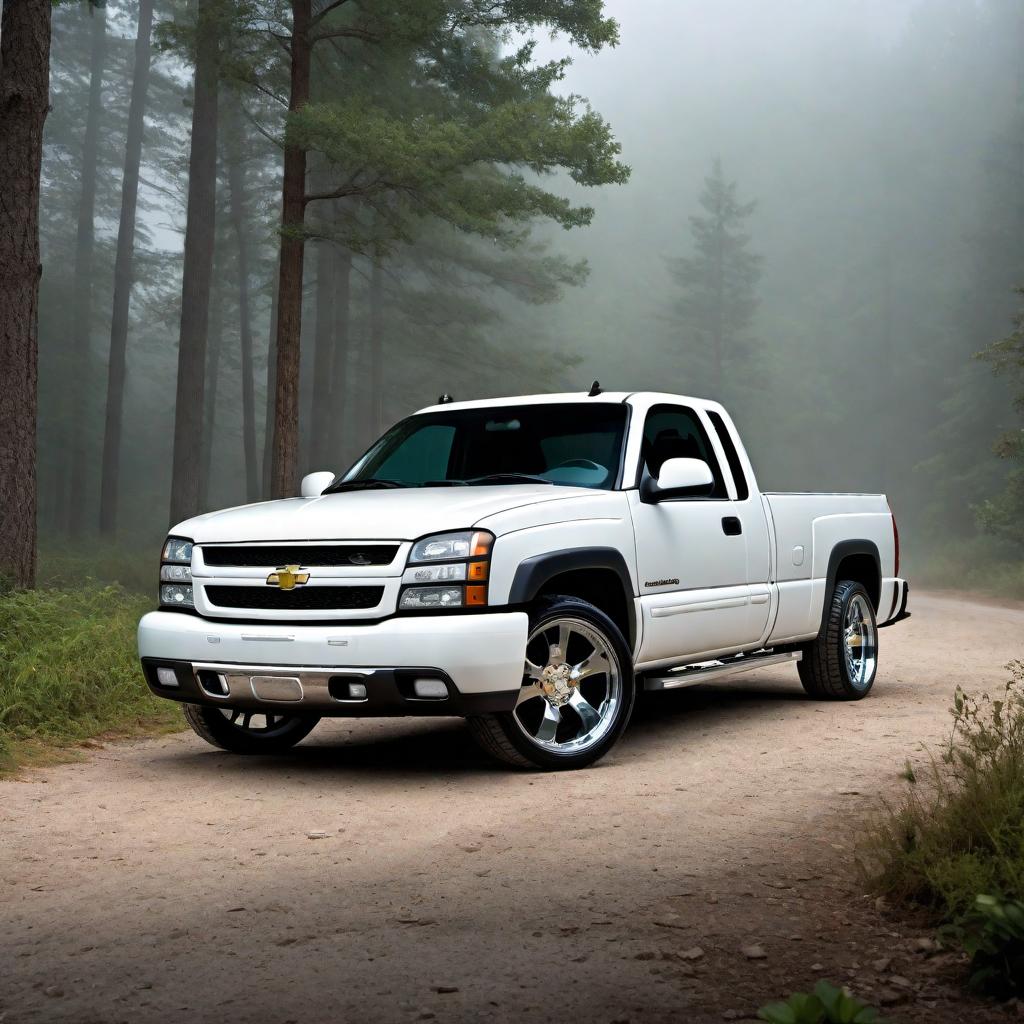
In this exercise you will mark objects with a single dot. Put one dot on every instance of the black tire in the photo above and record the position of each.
(824, 669)
(501, 735)
(212, 725)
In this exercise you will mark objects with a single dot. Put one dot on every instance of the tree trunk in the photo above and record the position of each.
(197, 272)
(213, 349)
(123, 275)
(323, 357)
(339, 369)
(718, 337)
(236, 184)
(81, 358)
(284, 468)
(268, 417)
(376, 344)
(24, 102)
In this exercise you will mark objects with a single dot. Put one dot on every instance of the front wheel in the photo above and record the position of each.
(841, 662)
(248, 732)
(577, 692)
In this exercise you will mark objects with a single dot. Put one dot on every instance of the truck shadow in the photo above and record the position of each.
(403, 746)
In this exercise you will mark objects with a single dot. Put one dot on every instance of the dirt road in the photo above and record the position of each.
(164, 881)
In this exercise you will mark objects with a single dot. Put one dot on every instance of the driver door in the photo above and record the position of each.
(691, 562)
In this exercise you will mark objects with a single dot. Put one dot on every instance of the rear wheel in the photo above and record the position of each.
(577, 692)
(248, 732)
(840, 664)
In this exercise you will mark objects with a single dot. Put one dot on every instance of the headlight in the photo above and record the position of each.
(463, 557)
(177, 549)
(176, 597)
(176, 574)
(451, 547)
(431, 597)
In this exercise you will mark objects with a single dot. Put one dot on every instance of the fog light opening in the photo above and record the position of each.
(213, 683)
(430, 689)
(166, 676)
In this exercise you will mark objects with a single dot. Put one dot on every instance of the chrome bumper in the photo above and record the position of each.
(325, 692)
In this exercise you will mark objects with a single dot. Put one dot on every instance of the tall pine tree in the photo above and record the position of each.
(718, 282)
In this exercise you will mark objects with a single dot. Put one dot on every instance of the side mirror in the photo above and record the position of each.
(314, 484)
(679, 478)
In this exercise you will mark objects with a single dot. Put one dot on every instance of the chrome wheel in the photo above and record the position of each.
(860, 642)
(572, 687)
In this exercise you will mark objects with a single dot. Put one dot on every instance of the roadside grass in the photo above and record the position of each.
(955, 840)
(982, 564)
(133, 564)
(69, 672)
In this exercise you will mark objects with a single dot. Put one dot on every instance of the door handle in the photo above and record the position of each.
(731, 526)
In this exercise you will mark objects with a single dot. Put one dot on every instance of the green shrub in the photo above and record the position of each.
(828, 1005)
(959, 830)
(993, 935)
(69, 668)
(955, 843)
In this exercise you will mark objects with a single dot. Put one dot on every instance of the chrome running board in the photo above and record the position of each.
(690, 675)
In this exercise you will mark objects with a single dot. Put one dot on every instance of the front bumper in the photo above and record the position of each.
(307, 669)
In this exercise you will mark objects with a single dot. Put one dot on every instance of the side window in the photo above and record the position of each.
(674, 432)
(422, 456)
(738, 476)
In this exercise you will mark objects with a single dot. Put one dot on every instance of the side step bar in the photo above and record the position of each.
(693, 674)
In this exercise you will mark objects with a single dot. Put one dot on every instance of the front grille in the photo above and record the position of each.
(301, 554)
(301, 599)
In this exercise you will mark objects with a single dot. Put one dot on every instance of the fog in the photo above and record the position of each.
(882, 144)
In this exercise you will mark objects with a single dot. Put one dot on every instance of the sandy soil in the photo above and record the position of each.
(165, 881)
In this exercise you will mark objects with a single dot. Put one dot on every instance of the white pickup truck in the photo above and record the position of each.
(528, 563)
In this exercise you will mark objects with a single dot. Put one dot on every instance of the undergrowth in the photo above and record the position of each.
(954, 843)
(69, 669)
(133, 565)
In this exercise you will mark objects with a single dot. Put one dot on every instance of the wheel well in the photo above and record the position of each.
(863, 569)
(600, 587)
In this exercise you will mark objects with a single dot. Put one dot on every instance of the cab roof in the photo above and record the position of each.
(583, 397)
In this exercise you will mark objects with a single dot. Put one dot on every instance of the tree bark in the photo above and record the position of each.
(236, 185)
(339, 364)
(323, 357)
(269, 404)
(123, 275)
(197, 272)
(376, 343)
(284, 466)
(24, 102)
(214, 343)
(81, 359)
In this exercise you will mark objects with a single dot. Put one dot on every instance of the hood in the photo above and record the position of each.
(368, 515)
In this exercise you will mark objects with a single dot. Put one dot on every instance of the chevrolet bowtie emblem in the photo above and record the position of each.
(288, 577)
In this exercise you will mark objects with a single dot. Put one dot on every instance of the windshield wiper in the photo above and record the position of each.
(508, 478)
(363, 485)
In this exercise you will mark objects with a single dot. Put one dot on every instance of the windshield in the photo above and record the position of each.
(576, 445)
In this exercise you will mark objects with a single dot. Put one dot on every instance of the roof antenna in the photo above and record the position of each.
(595, 389)
(444, 399)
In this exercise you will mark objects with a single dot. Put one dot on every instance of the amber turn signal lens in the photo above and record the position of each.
(476, 596)
(481, 545)
(477, 571)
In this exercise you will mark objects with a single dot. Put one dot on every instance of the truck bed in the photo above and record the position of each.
(807, 528)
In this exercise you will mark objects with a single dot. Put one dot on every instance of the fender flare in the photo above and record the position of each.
(842, 550)
(533, 573)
